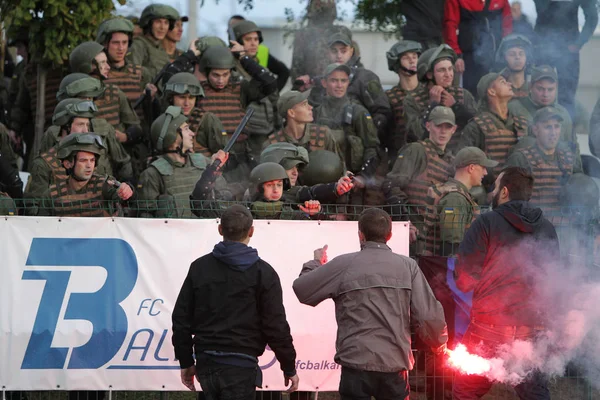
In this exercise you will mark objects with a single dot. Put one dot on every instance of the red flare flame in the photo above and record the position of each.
(463, 361)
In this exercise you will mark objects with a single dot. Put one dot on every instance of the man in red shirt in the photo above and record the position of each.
(474, 29)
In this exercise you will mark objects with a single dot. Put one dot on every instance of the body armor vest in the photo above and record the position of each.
(108, 105)
(87, 204)
(225, 104)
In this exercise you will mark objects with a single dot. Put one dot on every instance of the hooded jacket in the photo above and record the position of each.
(231, 302)
(501, 258)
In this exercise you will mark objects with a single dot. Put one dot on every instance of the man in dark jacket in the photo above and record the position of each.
(229, 309)
(500, 259)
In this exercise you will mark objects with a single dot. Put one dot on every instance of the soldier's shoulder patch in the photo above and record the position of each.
(374, 87)
(224, 133)
(139, 186)
(401, 156)
(368, 116)
(449, 210)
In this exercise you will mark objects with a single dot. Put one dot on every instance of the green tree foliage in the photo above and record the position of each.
(55, 26)
(380, 15)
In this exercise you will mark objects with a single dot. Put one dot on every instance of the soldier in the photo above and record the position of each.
(173, 37)
(551, 165)
(514, 57)
(543, 93)
(147, 50)
(402, 59)
(323, 181)
(270, 181)
(352, 125)
(166, 185)
(310, 48)
(298, 128)
(364, 85)
(227, 98)
(200, 46)
(82, 192)
(495, 129)
(435, 69)
(113, 106)
(421, 165)
(11, 186)
(451, 208)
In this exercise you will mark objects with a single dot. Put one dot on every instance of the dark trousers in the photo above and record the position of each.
(483, 340)
(362, 385)
(567, 68)
(226, 382)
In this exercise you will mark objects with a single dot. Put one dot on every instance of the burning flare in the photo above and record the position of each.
(466, 363)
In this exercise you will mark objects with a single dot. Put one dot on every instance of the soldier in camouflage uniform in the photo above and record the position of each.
(451, 207)
(550, 164)
(113, 106)
(147, 50)
(402, 59)
(166, 185)
(543, 92)
(173, 37)
(435, 69)
(83, 87)
(351, 123)
(421, 165)
(298, 128)
(309, 57)
(514, 58)
(11, 186)
(495, 129)
(365, 87)
(82, 192)
(199, 47)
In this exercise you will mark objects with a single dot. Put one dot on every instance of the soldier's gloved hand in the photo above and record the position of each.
(237, 49)
(134, 134)
(222, 156)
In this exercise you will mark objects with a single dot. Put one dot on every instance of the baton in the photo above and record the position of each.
(112, 182)
(238, 131)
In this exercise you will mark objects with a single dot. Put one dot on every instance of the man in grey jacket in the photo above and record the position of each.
(376, 293)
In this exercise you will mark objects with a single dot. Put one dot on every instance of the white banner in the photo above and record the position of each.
(85, 303)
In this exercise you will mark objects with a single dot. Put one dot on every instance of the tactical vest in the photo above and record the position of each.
(432, 216)
(317, 137)
(396, 96)
(53, 79)
(265, 119)
(195, 120)
(499, 140)
(109, 106)
(179, 182)
(225, 104)
(548, 178)
(87, 204)
(437, 171)
(51, 159)
(102, 128)
(129, 80)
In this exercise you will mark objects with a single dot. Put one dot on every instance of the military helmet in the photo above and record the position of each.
(428, 59)
(156, 11)
(244, 27)
(182, 83)
(163, 131)
(79, 85)
(113, 25)
(216, 57)
(73, 142)
(285, 154)
(324, 167)
(397, 50)
(82, 56)
(68, 109)
(580, 191)
(269, 171)
(205, 42)
(514, 40)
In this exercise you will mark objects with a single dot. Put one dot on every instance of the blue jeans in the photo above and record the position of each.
(226, 382)
(483, 339)
(361, 385)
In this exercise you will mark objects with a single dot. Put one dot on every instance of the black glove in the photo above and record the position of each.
(204, 185)
(10, 181)
(184, 63)
(268, 81)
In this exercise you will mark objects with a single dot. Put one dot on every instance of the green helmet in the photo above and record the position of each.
(216, 57)
(267, 172)
(163, 131)
(395, 53)
(113, 25)
(182, 83)
(580, 191)
(324, 167)
(514, 40)
(244, 27)
(68, 109)
(428, 59)
(285, 154)
(73, 142)
(82, 56)
(79, 85)
(205, 42)
(156, 11)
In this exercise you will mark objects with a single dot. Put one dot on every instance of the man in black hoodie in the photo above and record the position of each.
(500, 259)
(229, 309)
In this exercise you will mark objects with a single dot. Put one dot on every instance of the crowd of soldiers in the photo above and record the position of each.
(140, 128)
